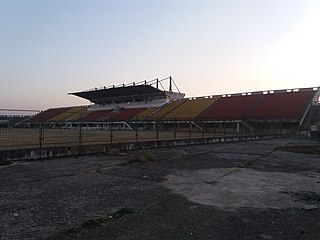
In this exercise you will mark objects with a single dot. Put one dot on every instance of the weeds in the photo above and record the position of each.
(93, 222)
(149, 156)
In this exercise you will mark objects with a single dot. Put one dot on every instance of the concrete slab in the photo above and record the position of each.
(234, 188)
(243, 190)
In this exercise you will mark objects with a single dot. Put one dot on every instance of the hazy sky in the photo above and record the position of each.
(51, 47)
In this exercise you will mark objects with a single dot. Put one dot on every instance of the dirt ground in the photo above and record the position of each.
(266, 189)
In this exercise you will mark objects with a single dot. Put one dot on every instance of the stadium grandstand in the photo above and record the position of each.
(146, 102)
(158, 105)
(12, 118)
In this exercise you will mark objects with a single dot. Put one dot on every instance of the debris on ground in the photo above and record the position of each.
(5, 162)
(309, 199)
(309, 206)
(115, 152)
(147, 156)
(306, 149)
(264, 236)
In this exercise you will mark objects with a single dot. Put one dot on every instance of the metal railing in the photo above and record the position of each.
(25, 129)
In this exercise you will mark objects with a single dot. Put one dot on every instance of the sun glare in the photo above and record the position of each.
(296, 58)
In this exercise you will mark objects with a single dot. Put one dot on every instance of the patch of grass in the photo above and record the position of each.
(122, 212)
(126, 211)
(63, 234)
(93, 222)
(149, 156)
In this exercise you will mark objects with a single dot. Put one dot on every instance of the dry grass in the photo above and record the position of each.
(23, 138)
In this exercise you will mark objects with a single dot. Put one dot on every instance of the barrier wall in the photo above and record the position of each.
(38, 153)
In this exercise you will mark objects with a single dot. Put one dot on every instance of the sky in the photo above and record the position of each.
(49, 48)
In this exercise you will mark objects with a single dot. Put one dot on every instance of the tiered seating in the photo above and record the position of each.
(47, 115)
(100, 115)
(144, 114)
(229, 108)
(126, 114)
(281, 105)
(189, 110)
(12, 120)
(164, 110)
(73, 114)
(272, 105)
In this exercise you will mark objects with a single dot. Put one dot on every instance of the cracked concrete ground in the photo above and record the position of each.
(245, 190)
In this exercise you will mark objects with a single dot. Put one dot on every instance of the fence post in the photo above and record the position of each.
(80, 133)
(202, 130)
(256, 133)
(233, 130)
(253, 130)
(273, 130)
(136, 128)
(157, 131)
(111, 132)
(41, 131)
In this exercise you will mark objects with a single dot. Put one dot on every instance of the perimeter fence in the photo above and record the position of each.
(25, 129)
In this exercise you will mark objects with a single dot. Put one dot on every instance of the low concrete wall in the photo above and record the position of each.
(65, 151)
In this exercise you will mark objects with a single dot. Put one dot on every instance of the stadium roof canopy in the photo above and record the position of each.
(139, 90)
(96, 95)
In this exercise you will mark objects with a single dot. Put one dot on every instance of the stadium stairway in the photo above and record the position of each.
(228, 108)
(165, 109)
(189, 110)
(146, 113)
(312, 117)
(73, 114)
(254, 104)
